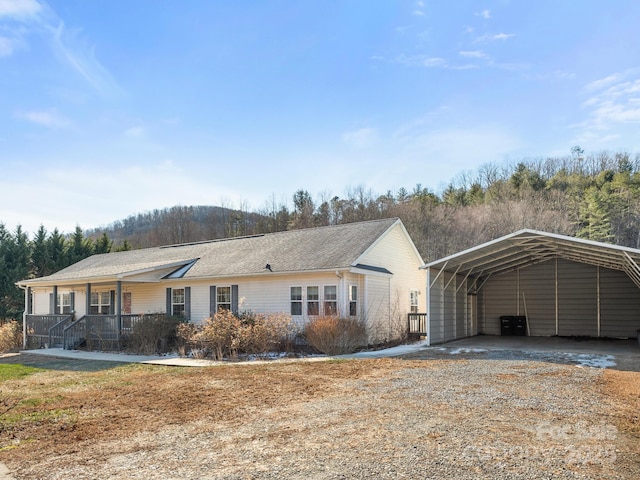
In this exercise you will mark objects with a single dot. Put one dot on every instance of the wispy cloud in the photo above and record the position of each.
(361, 138)
(474, 54)
(613, 103)
(73, 50)
(421, 61)
(492, 37)
(19, 9)
(486, 14)
(45, 118)
(30, 17)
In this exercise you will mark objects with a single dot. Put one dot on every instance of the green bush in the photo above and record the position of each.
(335, 335)
(10, 336)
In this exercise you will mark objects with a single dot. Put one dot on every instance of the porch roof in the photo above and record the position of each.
(314, 249)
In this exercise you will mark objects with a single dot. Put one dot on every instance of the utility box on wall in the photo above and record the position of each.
(513, 325)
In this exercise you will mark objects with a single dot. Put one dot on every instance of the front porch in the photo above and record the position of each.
(89, 332)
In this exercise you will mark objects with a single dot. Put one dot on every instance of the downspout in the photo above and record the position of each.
(428, 307)
(557, 319)
(27, 292)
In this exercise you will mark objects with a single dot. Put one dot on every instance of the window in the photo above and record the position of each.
(413, 301)
(353, 300)
(177, 302)
(100, 303)
(64, 303)
(223, 298)
(330, 300)
(296, 300)
(313, 301)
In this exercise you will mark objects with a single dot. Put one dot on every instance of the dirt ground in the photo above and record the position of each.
(386, 418)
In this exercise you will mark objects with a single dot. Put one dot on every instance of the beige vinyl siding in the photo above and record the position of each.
(394, 252)
(378, 308)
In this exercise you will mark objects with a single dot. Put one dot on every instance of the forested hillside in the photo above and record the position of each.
(594, 196)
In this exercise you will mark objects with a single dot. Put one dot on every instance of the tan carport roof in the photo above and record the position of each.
(527, 247)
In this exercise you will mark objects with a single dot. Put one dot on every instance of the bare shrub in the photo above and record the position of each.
(225, 336)
(10, 336)
(218, 336)
(261, 334)
(152, 334)
(335, 335)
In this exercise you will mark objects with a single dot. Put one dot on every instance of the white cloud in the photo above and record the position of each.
(448, 151)
(75, 52)
(361, 138)
(473, 54)
(19, 9)
(421, 61)
(603, 82)
(486, 14)
(613, 105)
(46, 118)
(418, 13)
(490, 37)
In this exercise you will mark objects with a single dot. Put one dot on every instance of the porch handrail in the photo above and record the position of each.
(417, 323)
(57, 330)
(72, 332)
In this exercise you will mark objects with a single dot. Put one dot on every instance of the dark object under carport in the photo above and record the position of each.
(513, 325)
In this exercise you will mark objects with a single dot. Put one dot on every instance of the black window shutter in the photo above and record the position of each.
(169, 312)
(212, 300)
(52, 304)
(187, 303)
(112, 302)
(234, 299)
(72, 299)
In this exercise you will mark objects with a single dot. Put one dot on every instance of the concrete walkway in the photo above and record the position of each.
(175, 360)
(485, 342)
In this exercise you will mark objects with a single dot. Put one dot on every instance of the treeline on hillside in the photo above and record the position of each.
(595, 196)
(46, 253)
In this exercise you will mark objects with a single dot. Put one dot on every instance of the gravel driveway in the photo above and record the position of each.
(445, 418)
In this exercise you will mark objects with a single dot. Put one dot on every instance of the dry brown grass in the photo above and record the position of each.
(79, 415)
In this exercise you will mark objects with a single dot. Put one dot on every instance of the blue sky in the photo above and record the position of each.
(112, 107)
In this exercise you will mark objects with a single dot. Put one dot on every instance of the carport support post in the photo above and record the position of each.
(428, 306)
(598, 297)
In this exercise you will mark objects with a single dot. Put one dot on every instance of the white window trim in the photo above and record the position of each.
(218, 302)
(174, 303)
(351, 299)
(301, 301)
(325, 301)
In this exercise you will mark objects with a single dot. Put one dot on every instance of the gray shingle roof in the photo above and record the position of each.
(322, 248)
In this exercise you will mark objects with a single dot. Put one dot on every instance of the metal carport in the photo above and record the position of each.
(564, 286)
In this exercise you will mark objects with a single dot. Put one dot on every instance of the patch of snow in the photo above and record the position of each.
(457, 351)
(391, 352)
(594, 361)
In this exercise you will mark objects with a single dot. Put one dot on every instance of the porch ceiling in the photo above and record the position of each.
(527, 247)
